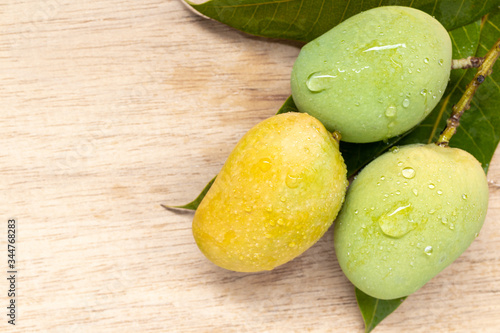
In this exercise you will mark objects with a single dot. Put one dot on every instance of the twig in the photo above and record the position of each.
(464, 103)
(470, 62)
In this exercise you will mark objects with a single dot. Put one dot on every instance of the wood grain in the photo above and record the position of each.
(111, 108)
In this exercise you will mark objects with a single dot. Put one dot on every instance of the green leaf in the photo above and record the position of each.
(479, 127)
(375, 310)
(193, 205)
(288, 106)
(303, 20)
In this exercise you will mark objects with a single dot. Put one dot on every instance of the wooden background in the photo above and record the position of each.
(111, 108)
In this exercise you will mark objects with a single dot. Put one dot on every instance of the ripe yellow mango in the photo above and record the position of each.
(276, 195)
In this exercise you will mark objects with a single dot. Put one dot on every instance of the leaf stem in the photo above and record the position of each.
(470, 62)
(463, 104)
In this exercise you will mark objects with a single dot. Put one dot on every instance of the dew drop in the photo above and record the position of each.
(432, 211)
(440, 62)
(415, 191)
(428, 250)
(444, 220)
(293, 181)
(431, 186)
(400, 164)
(265, 164)
(395, 150)
(406, 102)
(452, 226)
(464, 196)
(426, 60)
(439, 192)
(423, 92)
(396, 223)
(283, 199)
(280, 222)
(356, 212)
(391, 111)
(318, 82)
(292, 244)
(408, 173)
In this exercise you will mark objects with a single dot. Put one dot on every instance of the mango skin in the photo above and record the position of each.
(276, 195)
(399, 228)
(375, 75)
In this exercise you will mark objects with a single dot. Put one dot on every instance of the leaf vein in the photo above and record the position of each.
(272, 18)
(486, 118)
(295, 18)
(374, 311)
(455, 43)
(459, 9)
(434, 9)
(439, 117)
(494, 26)
(474, 142)
(251, 17)
(345, 10)
(467, 34)
(317, 18)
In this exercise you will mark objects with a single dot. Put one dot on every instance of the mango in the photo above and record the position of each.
(278, 192)
(409, 214)
(376, 75)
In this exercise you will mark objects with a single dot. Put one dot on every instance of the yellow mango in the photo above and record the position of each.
(277, 194)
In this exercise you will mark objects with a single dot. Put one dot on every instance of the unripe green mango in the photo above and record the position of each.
(276, 195)
(408, 215)
(375, 75)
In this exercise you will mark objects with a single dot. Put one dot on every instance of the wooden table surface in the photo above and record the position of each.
(111, 108)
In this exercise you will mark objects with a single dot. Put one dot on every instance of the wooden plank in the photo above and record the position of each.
(111, 108)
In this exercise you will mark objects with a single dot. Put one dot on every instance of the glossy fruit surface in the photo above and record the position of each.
(375, 75)
(276, 195)
(408, 215)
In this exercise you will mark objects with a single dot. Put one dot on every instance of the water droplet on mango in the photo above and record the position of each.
(408, 172)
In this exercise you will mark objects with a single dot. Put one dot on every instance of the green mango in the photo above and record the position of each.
(276, 195)
(375, 75)
(409, 214)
